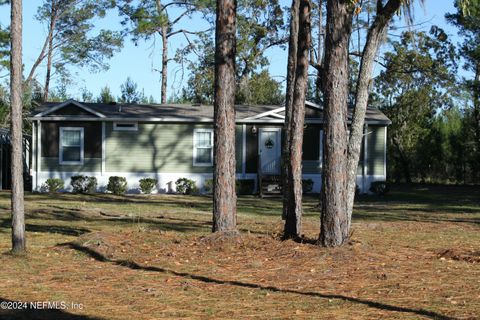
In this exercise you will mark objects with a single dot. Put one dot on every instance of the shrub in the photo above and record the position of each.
(380, 188)
(83, 184)
(52, 185)
(117, 185)
(208, 186)
(245, 186)
(147, 185)
(186, 186)
(307, 185)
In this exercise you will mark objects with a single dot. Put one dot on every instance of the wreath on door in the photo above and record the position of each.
(269, 143)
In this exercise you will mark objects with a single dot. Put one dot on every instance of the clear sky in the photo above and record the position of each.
(142, 62)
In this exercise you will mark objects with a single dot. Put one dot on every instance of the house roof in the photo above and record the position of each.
(178, 112)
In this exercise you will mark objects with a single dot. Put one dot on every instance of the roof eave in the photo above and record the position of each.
(192, 120)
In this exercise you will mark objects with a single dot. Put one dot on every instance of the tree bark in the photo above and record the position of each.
(163, 92)
(224, 197)
(375, 34)
(291, 73)
(293, 221)
(18, 215)
(318, 79)
(49, 53)
(334, 219)
(38, 61)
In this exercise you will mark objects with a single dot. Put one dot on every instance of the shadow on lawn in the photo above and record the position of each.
(38, 314)
(64, 230)
(418, 215)
(135, 266)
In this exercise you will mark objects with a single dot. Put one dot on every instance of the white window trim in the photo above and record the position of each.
(60, 146)
(202, 164)
(133, 128)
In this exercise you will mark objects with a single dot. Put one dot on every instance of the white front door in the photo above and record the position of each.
(269, 142)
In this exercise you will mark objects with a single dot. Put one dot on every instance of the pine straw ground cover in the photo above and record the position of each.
(414, 254)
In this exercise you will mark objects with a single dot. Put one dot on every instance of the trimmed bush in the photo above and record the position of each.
(83, 184)
(380, 188)
(208, 186)
(186, 186)
(52, 185)
(307, 185)
(245, 186)
(117, 185)
(147, 185)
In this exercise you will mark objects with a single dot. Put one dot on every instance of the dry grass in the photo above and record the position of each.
(413, 254)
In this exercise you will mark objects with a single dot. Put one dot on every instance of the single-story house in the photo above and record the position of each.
(167, 142)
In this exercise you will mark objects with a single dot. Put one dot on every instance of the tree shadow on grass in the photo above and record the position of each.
(64, 230)
(30, 313)
(135, 266)
(413, 215)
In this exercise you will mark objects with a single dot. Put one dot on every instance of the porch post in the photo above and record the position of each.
(38, 152)
(34, 157)
(244, 150)
(103, 149)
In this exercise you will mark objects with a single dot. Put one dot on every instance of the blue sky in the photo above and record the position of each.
(141, 62)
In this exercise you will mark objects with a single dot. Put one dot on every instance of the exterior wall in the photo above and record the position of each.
(238, 148)
(50, 138)
(165, 151)
(376, 150)
(89, 165)
(165, 148)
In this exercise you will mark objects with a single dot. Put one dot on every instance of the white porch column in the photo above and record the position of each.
(365, 158)
(244, 151)
(103, 149)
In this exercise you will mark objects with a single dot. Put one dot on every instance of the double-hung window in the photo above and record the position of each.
(203, 147)
(71, 145)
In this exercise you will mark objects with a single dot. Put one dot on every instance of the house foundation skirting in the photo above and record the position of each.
(166, 181)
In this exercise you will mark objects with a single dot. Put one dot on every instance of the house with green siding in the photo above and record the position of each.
(167, 142)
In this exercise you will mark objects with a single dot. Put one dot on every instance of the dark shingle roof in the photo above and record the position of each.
(185, 112)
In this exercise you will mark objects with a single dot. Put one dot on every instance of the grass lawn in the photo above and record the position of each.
(414, 254)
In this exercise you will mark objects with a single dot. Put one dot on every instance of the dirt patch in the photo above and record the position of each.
(471, 256)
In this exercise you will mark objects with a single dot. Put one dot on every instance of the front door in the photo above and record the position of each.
(269, 141)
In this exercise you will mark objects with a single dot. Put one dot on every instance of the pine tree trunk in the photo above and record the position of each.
(49, 56)
(293, 221)
(18, 218)
(291, 73)
(224, 197)
(318, 79)
(163, 92)
(374, 37)
(334, 218)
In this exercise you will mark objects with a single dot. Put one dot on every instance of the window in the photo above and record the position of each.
(125, 126)
(71, 145)
(203, 147)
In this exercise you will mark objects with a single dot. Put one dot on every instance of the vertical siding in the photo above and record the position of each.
(238, 148)
(376, 149)
(252, 150)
